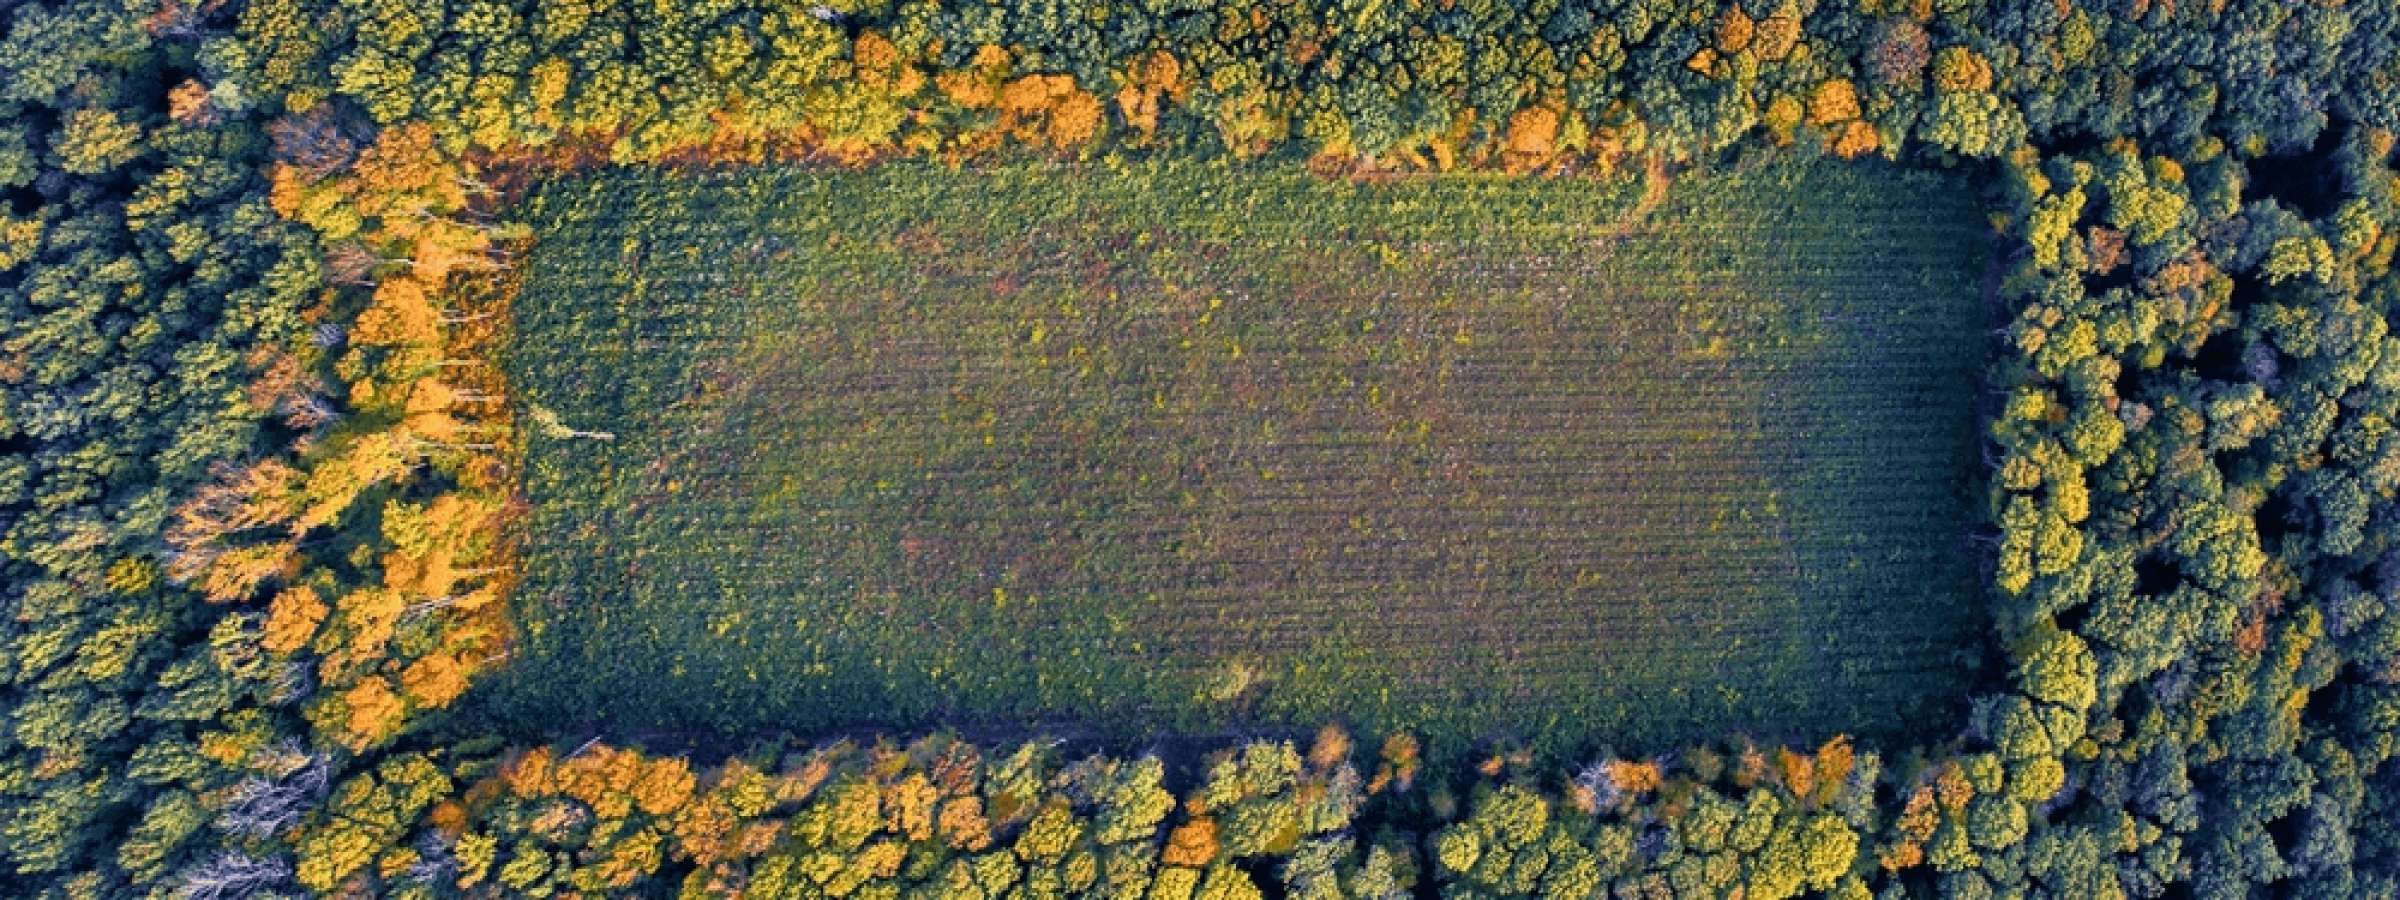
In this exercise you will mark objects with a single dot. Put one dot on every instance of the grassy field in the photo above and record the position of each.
(1170, 446)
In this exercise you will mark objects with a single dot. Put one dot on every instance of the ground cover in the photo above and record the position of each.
(1166, 446)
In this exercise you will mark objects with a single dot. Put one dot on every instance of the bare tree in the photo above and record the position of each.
(435, 863)
(350, 262)
(313, 141)
(232, 874)
(263, 805)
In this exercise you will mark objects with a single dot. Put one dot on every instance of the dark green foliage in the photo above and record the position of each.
(2192, 436)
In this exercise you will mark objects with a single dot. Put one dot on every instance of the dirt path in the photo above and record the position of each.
(1654, 192)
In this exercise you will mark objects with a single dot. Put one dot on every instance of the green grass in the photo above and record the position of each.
(1175, 446)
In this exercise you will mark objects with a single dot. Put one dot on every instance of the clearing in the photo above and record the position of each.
(1176, 446)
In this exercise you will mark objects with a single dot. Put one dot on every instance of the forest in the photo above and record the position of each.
(272, 272)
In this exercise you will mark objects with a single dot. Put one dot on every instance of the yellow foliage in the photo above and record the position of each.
(547, 88)
(337, 481)
(131, 575)
(1961, 69)
(629, 860)
(1782, 117)
(236, 574)
(367, 617)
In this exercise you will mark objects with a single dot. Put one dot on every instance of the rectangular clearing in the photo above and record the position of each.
(1177, 446)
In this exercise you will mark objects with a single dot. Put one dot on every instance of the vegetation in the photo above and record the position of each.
(255, 479)
(1178, 443)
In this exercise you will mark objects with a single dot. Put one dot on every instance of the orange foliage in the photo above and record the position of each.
(1751, 768)
(963, 825)
(1798, 771)
(1332, 748)
(375, 712)
(1950, 786)
(292, 619)
(1143, 83)
(287, 190)
(1834, 760)
(1919, 818)
(909, 804)
(978, 85)
(702, 830)
(1635, 778)
(664, 785)
(238, 500)
(1192, 844)
(1074, 119)
(434, 680)
(443, 247)
(190, 104)
(401, 313)
(1399, 765)
(528, 775)
(1856, 139)
(1030, 95)
(1734, 30)
(876, 62)
(1703, 62)
(449, 817)
(405, 171)
(1834, 101)
(1533, 131)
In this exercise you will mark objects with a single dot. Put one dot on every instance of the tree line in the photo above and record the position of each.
(253, 464)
